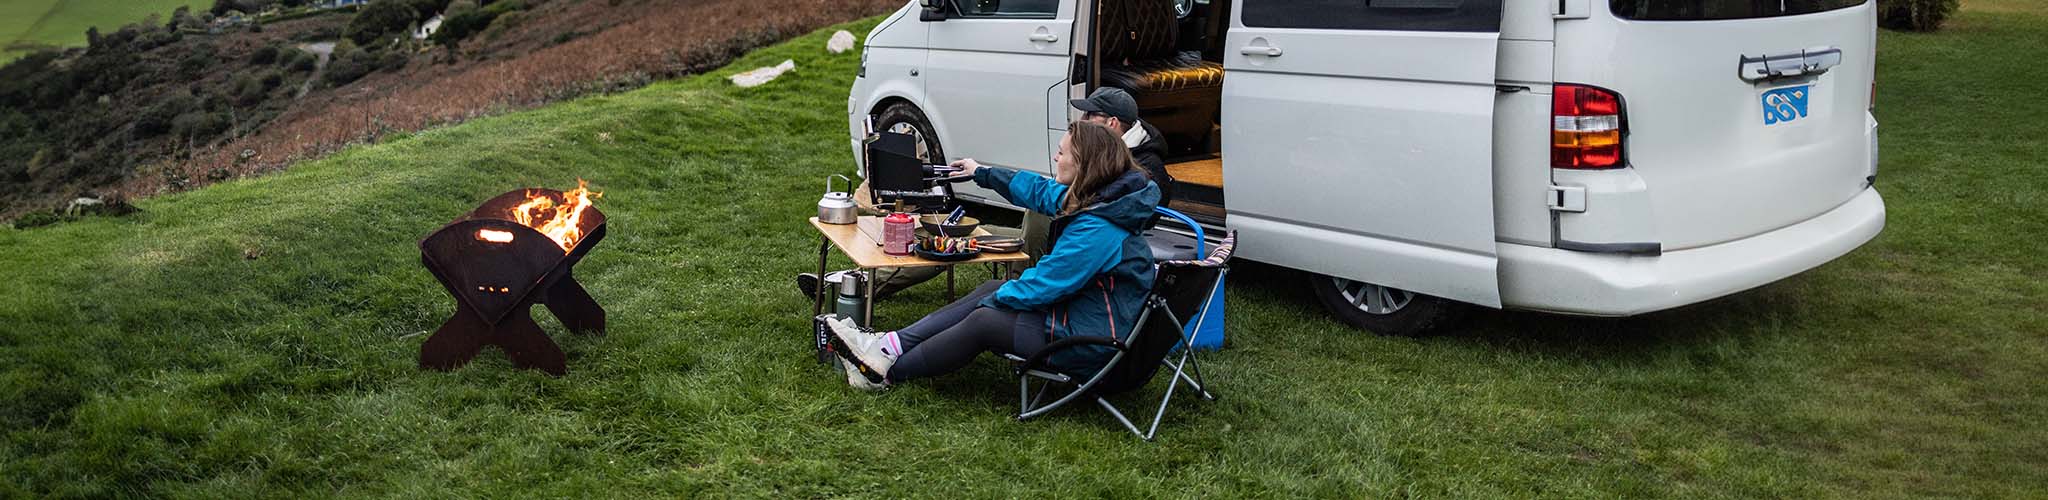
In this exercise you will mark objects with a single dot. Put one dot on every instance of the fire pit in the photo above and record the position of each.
(499, 260)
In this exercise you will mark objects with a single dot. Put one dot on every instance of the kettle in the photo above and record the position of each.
(837, 206)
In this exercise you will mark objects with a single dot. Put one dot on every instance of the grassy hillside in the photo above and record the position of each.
(257, 337)
(25, 24)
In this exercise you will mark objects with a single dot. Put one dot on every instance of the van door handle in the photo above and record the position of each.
(1043, 36)
(1260, 50)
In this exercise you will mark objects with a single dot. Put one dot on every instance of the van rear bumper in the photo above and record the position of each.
(1568, 282)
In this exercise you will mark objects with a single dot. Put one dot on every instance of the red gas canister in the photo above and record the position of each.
(899, 232)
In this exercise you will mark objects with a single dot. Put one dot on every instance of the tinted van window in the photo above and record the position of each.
(1403, 15)
(1008, 8)
(1698, 10)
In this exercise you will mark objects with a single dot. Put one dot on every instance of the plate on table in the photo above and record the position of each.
(947, 256)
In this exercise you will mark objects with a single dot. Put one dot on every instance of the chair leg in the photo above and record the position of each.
(1163, 400)
(1023, 395)
(1120, 418)
(1195, 367)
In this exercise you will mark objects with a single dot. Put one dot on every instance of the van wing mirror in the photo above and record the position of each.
(934, 10)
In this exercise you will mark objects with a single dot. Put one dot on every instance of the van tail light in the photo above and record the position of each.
(1585, 127)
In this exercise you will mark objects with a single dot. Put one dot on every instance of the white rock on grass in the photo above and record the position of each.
(757, 76)
(840, 42)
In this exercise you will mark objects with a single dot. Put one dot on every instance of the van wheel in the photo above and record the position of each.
(1381, 309)
(903, 118)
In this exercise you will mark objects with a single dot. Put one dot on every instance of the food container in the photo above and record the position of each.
(899, 233)
(935, 224)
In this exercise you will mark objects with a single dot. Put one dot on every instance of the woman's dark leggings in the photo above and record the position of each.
(949, 338)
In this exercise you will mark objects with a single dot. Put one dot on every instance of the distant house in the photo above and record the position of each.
(427, 29)
(336, 4)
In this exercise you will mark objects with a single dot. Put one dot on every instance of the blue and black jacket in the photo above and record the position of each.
(1094, 278)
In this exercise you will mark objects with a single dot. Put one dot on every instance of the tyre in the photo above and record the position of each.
(904, 118)
(1384, 310)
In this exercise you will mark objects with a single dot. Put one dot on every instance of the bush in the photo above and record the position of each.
(263, 55)
(37, 219)
(461, 25)
(379, 18)
(156, 119)
(198, 125)
(345, 68)
(1914, 15)
(249, 90)
(393, 60)
(302, 61)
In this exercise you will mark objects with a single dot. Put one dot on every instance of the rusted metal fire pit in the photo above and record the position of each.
(499, 260)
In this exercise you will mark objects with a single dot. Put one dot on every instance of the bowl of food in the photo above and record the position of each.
(935, 224)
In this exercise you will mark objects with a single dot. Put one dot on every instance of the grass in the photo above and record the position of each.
(153, 356)
(28, 24)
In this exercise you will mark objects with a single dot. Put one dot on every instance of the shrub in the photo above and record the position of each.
(393, 60)
(195, 63)
(198, 125)
(264, 55)
(377, 19)
(302, 61)
(461, 25)
(156, 119)
(249, 90)
(1914, 15)
(348, 67)
(37, 219)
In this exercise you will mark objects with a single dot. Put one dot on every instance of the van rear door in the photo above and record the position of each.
(1740, 116)
(1357, 140)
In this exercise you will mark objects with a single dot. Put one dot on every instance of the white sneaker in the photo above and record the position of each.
(857, 380)
(864, 347)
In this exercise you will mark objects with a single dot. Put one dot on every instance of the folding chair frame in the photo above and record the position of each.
(1185, 369)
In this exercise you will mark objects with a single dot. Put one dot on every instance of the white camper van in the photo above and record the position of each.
(1589, 157)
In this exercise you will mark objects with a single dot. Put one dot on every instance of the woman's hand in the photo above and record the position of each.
(967, 167)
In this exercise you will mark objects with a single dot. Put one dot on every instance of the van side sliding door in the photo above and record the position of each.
(991, 68)
(1357, 140)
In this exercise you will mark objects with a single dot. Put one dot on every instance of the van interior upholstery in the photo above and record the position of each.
(1172, 65)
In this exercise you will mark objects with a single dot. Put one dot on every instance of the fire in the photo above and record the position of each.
(494, 236)
(560, 222)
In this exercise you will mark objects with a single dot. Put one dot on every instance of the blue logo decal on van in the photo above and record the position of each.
(1786, 104)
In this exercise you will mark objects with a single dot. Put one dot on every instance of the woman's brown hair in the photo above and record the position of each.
(1101, 158)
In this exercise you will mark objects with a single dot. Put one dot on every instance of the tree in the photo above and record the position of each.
(378, 19)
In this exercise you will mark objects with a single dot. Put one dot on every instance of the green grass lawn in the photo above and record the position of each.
(258, 337)
(25, 24)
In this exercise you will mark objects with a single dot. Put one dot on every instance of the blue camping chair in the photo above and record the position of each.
(1182, 290)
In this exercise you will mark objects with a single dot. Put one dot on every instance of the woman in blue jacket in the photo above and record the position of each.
(1090, 282)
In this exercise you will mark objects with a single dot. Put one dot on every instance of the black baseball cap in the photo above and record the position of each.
(1110, 101)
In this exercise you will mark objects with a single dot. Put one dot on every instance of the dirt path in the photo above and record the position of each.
(321, 50)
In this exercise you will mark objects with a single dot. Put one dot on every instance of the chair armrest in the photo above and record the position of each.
(1038, 358)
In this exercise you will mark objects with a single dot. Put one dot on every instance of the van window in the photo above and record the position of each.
(1700, 10)
(1007, 8)
(1403, 15)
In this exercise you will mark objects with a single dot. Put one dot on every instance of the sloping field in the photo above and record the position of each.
(26, 24)
(256, 338)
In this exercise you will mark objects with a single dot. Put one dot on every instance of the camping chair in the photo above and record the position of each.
(1181, 290)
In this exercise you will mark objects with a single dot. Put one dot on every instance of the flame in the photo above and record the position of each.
(560, 222)
(494, 236)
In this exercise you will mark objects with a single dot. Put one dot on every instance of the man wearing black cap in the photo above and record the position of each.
(1116, 109)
